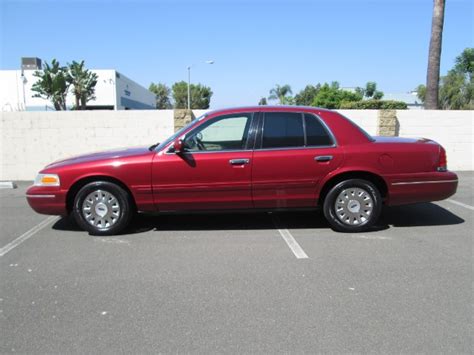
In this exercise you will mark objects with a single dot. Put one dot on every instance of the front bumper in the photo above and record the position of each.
(421, 187)
(47, 200)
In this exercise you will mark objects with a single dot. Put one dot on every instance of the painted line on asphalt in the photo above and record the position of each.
(469, 207)
(289, 239)
(27, 235)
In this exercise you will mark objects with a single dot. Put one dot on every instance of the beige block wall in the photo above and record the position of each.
(454, 130)
(367, 119)
(30, 140)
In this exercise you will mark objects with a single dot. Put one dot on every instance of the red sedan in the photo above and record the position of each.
(255, 158)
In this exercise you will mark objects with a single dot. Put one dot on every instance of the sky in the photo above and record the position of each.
(254, 44)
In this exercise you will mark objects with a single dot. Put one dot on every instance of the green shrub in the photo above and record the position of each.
(374, 105)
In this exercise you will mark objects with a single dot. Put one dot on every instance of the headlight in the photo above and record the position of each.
(47, 180)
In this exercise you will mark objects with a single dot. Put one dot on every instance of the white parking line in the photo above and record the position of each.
(25, 236)
(461, 204)
(289, 239)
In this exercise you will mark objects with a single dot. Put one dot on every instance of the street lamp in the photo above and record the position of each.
(189, 82)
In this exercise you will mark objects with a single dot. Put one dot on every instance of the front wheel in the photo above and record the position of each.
(353, 205)
(102, 208)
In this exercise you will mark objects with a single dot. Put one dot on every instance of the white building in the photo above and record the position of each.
(114, 91)
(410, 98)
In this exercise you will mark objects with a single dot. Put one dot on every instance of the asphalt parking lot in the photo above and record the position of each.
(243, 283)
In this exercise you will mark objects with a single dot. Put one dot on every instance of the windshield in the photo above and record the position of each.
(179, 132)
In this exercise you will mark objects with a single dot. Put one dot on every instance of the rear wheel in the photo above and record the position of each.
(102, 208)
(353, 205)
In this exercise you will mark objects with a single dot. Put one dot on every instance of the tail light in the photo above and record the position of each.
(443, 160)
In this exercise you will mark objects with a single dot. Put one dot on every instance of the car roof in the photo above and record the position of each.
(266, 108)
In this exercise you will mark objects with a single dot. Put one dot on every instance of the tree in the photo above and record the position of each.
(200, 95)
(306, 96)
(452, 94)
(331, 96)
(465, 63)
(288, 100)
(263, 101)
(279, 93)
(162, 93)
(83, 83)
(52, 84)
(360, 91)
(434, 56)
(377, 95)
(370, 91)
(456, 89)
(421, 92)
(370, 88)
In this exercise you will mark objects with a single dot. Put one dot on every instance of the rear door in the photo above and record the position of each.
(294, 151)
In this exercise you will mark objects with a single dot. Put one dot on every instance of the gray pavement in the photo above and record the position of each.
(230, 283)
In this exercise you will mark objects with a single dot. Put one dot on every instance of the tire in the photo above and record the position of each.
(102, 208)
(353, 206)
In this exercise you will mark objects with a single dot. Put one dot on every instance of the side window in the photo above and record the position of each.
(221, 133)
(316, 133)
(282, 129)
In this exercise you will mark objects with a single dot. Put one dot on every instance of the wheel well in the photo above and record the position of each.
(378, 181)
(74, 189)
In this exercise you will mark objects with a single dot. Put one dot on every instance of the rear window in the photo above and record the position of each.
(282, 130)
(316, 133)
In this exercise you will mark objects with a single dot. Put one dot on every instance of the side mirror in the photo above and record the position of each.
(178, 146)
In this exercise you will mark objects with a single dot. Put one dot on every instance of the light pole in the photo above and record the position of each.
(189, 82)
(189, 88)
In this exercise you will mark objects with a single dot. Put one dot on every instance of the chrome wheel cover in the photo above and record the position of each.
(354, 206)
(101, 209)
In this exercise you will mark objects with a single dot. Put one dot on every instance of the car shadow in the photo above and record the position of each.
(419, 215)
(423, 214)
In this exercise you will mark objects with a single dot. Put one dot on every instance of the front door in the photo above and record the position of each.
(214, 170)
(294, 151)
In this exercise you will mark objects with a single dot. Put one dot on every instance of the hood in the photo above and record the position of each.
(104, 155)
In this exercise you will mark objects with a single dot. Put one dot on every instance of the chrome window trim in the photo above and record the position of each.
(249, 135)
(260, 150)
(326, 127)
(297, 148)
(211, 152)
(259, 118)
(303, 113)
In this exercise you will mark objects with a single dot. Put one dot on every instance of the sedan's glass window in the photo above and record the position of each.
(222, 133)
(316, 134)
(282, 129)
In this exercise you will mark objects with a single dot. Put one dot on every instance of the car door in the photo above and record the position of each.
(294, 151)
(214, 170)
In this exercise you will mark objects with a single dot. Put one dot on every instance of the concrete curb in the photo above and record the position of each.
(7, 185)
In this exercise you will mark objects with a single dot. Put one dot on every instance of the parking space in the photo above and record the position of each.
(240, 283)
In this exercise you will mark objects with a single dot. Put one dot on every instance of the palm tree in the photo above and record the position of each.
(434, 56)
(83, 82)
(279, 93)
(52, 84)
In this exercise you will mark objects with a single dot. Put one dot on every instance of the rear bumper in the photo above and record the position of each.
(421, 187)
(47, 200)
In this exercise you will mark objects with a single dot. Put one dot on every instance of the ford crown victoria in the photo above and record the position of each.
(256, 158)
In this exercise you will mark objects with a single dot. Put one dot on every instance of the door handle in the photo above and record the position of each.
(323, 158)
(239, 161)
